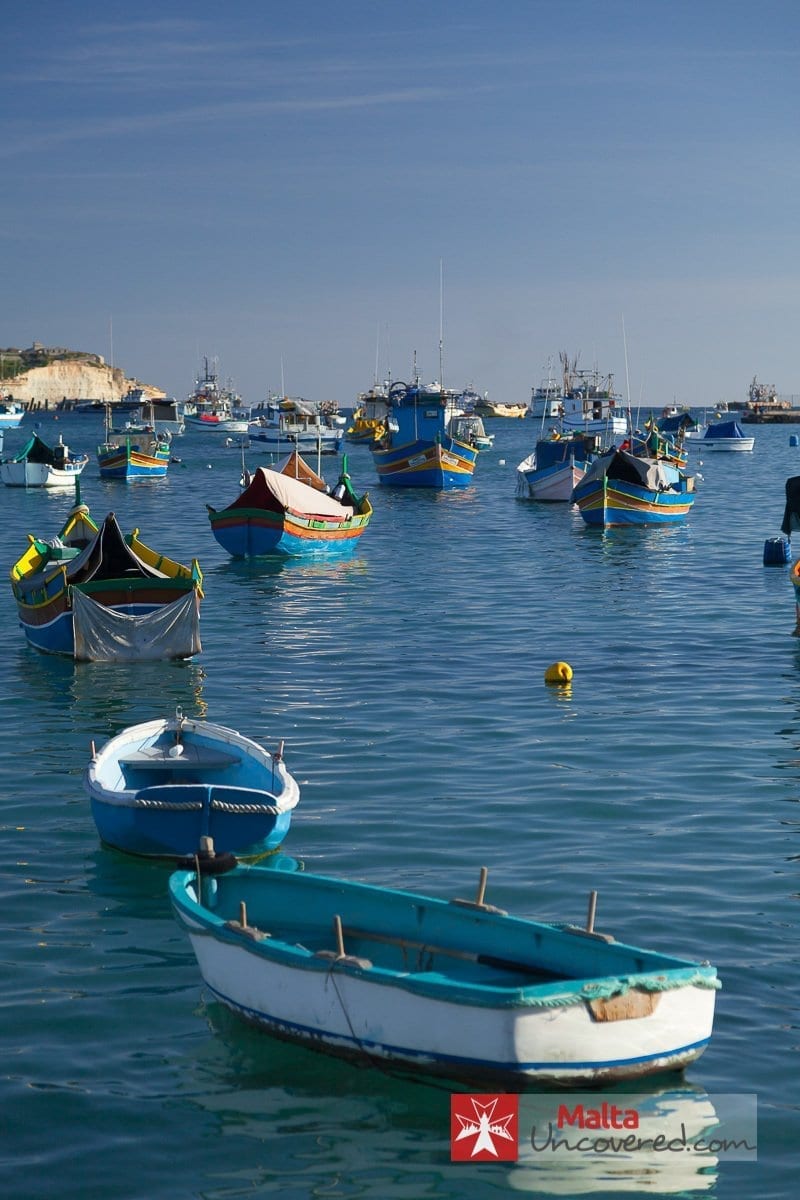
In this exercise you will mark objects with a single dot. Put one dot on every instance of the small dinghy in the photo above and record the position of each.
(40, 465)
(157, 788)
(726, 435)
(459, 988)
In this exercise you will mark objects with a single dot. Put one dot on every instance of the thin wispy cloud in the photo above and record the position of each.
(113, 127)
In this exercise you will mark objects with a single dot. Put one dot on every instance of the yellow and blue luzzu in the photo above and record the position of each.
(418, 449)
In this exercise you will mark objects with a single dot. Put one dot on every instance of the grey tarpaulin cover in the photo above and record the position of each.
(105, 635)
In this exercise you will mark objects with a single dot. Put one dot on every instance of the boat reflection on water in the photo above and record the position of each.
(685, 1119)
(104, 697)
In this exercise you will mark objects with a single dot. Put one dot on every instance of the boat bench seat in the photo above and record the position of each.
(193, 758)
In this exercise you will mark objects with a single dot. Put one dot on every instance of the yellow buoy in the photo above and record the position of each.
(559, 672)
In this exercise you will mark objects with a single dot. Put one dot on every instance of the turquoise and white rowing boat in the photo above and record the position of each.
(459, 988)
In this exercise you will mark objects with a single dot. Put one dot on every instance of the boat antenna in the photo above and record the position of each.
(627, 376)
(377, 352)
(441, 326)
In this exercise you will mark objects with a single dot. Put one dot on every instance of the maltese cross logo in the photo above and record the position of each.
(483, 1128)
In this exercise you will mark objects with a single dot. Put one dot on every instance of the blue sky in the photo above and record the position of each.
(276, 185)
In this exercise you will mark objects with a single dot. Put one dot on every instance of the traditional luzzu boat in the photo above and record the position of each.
(96, 595)
(621, 488)
(418, 448)
(129, 455)
(158, 788)
(40, 465)
(458, 988)
(289, 511)
(556, 466)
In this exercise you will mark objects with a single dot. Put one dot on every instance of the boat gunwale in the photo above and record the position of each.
(201, 921)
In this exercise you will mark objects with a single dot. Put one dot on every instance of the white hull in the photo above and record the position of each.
(11, 418)
(554, 485)
(26, 474)
(606, 427)
(348, 1012)
(541, 407)
(307, 442)
(226, 425)
(727, 444)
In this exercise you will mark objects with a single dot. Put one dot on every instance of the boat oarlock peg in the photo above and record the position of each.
(592, 912)
(482, 886)
(278, 755)
(479, 901)
(337, 929)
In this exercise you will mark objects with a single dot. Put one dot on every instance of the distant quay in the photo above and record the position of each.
(771, 416)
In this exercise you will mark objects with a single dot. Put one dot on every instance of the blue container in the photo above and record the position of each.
(794, 440)
(777, 552)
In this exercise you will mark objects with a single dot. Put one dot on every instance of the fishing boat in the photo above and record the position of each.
(418, 449)
(96, 595)
(726, 436)
(157, 788)
(546, 397)
(654, 442)
(623, 488)
(11, 414)
(40, 465)
(290, 421)
(213, 408)
(162, 415)
(290, 511)
(369, 416)
(460, 987)
(130, 455)
(556, 466)
(589, 403)
(484, 407)
(469, 427)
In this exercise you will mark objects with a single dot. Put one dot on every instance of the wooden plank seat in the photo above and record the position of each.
(193, 758)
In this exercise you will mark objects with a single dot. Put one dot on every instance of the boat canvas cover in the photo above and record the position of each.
(791, 513)
(271, 490)
(109, 557)
(106, 635)
(37, 451)
(630, 468)
(725, 429)
(674, 424)
(552, 452)
(296, 467)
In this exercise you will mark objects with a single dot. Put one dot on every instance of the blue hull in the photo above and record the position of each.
(249, 542)
(134, 472)
(58, 636)
(171, 833)
(444, 466)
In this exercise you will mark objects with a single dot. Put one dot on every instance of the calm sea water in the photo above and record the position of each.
(408, 686)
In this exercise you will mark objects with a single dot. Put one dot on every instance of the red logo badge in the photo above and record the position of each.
(484, 1128)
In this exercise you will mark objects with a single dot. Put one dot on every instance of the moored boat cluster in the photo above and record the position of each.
(452, 986)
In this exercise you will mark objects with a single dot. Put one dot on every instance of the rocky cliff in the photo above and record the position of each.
(47, 387)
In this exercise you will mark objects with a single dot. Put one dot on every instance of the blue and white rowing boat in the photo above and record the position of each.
(157, 788)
